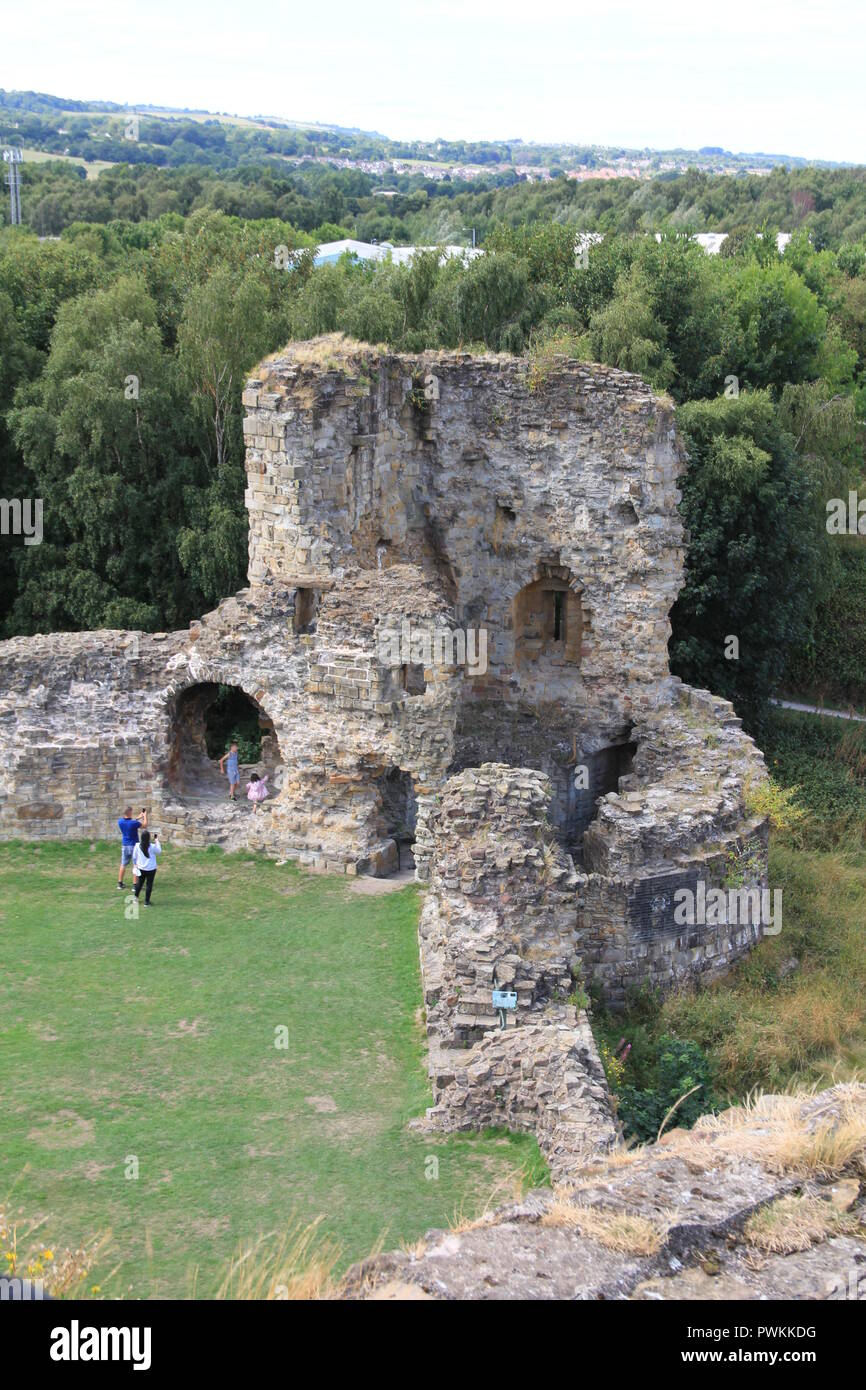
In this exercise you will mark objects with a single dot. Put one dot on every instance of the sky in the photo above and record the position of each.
(749, 75)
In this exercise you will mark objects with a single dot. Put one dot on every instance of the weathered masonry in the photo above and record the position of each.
(457, 615)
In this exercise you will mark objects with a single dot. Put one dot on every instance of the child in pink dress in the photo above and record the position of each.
(257, 789)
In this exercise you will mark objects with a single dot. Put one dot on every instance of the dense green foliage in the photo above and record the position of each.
(825, 759)
(232, 718)
(831, 666)
(179, 161)
(679, 1090)
(121, 377)
(754, 549)
(424, 210)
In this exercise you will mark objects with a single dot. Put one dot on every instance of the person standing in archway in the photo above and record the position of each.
(129, 829)
(229, 760)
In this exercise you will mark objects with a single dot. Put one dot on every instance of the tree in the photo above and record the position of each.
(102, 434)
(228, 325)
(493, 300)
(754, 555)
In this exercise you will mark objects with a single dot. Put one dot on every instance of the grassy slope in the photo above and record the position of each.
(155, 1038)
(93, 167)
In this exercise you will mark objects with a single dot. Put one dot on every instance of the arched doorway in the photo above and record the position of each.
(203, 721)
(398, 813)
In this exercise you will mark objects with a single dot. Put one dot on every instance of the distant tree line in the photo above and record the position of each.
(830, 204)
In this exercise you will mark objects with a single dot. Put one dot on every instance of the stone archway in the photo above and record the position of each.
(203, 719)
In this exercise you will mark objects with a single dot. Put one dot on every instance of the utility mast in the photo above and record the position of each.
(13, 157)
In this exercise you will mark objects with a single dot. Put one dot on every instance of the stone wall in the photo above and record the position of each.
(455, 463)
(679, 819)
(507, 910)
(670, 1220)
(395, 501)
(501, 913)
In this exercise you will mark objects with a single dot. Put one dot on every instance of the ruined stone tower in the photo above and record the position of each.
(460, 578)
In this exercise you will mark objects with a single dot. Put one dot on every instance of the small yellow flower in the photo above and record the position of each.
(48, 1254)
(95, 1288)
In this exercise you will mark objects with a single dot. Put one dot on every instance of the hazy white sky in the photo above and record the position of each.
(745, 74)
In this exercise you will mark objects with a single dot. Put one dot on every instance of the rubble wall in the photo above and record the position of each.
(501, 913)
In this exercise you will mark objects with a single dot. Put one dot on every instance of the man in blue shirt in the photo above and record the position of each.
(129, 829)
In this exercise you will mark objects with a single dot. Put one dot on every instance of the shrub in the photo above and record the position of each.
(682, 1083)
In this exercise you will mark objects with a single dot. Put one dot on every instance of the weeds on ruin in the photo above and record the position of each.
(797, 1222)
(776, 803)
(549, 352)
(628, 1232)
(744, 866)
(772, 1131)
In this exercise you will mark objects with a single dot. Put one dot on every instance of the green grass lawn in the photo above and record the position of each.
(155, 1039)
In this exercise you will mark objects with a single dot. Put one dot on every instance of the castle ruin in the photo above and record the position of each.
(455, 637)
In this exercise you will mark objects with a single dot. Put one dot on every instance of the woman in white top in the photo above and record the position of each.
(144, 864)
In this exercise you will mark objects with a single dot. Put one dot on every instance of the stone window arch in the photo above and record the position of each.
(549, 621)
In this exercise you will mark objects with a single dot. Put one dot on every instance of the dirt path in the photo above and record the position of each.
(819, 709)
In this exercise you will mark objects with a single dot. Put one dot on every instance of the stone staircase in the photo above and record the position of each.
(200, 821)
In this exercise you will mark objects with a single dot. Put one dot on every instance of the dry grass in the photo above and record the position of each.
(28, 1252)
(333, 351)
(414, 1249)
(763, 1028)
(547, 357)
(339, 352)
(625, 1231)
(769, 1130)
(795, 1223)
(297, 1266)
(772, 1131)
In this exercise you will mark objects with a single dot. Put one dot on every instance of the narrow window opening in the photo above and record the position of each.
(412, 679)
(558, 616)
(306, 609)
